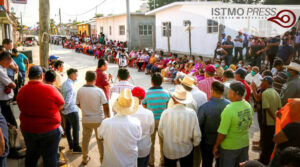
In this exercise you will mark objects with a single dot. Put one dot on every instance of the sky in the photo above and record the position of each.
(71, 8)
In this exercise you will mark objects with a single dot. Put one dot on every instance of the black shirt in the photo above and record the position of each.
(291, 131)
(229, 51)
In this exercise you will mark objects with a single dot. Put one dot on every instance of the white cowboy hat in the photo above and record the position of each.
(180, 95)
(126, 104)
(188, 81)
(294, 66)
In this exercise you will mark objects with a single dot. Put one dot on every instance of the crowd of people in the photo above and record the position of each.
(205, 119)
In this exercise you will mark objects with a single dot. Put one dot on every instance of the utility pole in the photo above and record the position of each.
(153, 38)
(44, 16)
(128, 26)
(59, 17)
(190, 38)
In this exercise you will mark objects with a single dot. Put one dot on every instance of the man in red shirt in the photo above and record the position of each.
(240, 75)
(40, 119)
(102, 80)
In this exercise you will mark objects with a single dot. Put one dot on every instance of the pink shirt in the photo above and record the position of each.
(205, 86)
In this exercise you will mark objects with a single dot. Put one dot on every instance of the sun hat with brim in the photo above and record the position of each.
(126, 104)
(188, 81)
(180, 95)
(294, 66)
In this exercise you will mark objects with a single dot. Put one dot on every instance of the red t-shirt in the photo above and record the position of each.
(39, 105)
(102, 81)
(248, 90)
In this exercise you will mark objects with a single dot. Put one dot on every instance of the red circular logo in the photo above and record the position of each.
(284, 18)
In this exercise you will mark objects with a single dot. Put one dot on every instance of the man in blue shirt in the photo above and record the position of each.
(70, 111)
(285, 51)
(209, 115)
(20, 59)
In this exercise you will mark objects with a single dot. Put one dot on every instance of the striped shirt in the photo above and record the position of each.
(156, 100)
(279, 80)
(205, 85)
(179, 130)
(119, 87)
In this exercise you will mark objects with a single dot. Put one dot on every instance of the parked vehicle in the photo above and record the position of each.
(31, 41)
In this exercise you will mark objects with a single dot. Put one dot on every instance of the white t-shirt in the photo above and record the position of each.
(256, 79)
(238, 44)
(91, 100)
(5, 81)
(146, 118)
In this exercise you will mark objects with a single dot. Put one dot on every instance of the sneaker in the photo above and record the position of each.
(77, 149)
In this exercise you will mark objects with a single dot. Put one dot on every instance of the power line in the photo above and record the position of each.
(88, 11)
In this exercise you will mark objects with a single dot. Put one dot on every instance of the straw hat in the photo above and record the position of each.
(180, 95)
(126, 104)
(294, 66)
(188, 81)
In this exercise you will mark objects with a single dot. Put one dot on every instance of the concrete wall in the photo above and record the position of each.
(141, 41)
(114, 22)
(203, 43)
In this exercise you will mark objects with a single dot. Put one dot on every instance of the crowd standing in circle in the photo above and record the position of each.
(205, 119)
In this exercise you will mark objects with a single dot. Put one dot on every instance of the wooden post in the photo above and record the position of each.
(128, 26)
(168, 36)
(190, 39)
(44, 18)
(153, 38)
(139, 36)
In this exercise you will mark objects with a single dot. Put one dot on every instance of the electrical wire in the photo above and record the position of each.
(88, 11)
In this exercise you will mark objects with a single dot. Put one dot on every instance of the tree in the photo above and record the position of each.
(159, 3)
(283, 2)
(99, 15)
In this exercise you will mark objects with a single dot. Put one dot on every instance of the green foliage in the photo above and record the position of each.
(99, 15)
(159, 3)
(285, 2)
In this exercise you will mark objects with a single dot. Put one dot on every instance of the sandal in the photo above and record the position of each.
(87, 160)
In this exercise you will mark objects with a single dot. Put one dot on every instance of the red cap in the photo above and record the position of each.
(138, 92)
(210, 69)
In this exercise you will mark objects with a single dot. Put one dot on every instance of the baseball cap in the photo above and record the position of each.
(52, 57)
(238, 88)
(242, 72)
(268, 79)
(138, 92)
(35, 71)
(210, 69)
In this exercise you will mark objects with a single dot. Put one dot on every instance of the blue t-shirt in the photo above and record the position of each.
(20, 61)
(284, 52)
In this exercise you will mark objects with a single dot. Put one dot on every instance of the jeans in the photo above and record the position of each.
(21, 79)
(233, 158)
(247, 51)
(43, 144)
(143, 161)
(3, 161)
(87, 131)
(256, 61)
(186, 161)
(267, 144)
(228, 60)
(7, 113)
(238, 51)
(271, 59)
(207, 154)
(72, 122)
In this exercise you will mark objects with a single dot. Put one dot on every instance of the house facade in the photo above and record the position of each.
(115, 28)
(6, 21)
(205, 31)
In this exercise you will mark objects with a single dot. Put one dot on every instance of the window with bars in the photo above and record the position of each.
(165, 26)
(145, 30)
(212, 26)
(122, 30)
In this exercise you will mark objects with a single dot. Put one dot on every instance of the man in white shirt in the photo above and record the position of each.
(94, 107)
(59, 68)
(254, 76)
(146, 118)
(179, 129)
(123, 77)
(238, 44)
(122, 58)
(121, 133)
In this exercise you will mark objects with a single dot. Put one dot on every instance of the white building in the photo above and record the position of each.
(115, 28)
(205, 29)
